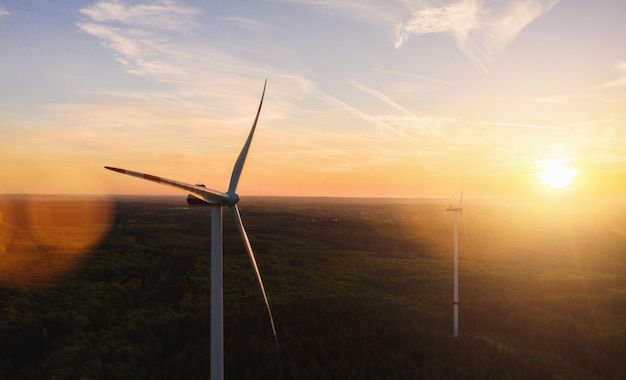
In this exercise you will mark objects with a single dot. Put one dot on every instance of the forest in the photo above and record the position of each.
(119, 288)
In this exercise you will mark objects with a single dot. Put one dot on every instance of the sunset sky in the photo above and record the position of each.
(364, 97)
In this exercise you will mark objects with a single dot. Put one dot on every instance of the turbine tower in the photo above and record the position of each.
(217, 200)
(458, 209)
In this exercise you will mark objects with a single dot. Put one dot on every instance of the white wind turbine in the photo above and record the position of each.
(458, 209)
(217, 200)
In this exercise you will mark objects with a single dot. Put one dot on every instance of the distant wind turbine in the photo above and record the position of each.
(217, 200)
(458, 209)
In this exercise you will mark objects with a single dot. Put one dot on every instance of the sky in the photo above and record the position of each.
(365, 98)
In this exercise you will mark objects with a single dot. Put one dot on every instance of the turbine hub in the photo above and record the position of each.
(233, 198)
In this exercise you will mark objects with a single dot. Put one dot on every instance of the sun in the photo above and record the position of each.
(556, 172)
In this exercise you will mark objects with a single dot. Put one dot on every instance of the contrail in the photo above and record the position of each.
(519, 125)
(385, 99)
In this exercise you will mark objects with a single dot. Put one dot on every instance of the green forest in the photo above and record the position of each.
(359, 289)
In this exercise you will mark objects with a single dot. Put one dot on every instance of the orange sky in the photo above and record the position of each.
(401, 102)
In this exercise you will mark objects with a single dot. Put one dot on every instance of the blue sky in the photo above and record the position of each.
(365, 98)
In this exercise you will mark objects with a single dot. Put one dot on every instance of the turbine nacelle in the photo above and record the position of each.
(459, 203)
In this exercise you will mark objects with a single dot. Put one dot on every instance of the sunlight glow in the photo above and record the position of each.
(556, 173)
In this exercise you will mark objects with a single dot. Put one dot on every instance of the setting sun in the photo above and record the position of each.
(556, 173)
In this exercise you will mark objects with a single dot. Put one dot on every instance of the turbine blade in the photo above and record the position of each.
(209, 195)
(461, 198)
(235, 210)
(234, 178)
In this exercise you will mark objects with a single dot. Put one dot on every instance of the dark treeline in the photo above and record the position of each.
(357, 292)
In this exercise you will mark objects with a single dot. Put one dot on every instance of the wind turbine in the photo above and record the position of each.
(217, 200)
(458, 209)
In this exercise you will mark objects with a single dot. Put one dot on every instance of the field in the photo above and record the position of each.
(362, 288)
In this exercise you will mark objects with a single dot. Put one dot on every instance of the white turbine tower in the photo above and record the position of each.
(217, 200)
(458, 209)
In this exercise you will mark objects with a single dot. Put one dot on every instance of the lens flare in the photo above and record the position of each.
(43, 238)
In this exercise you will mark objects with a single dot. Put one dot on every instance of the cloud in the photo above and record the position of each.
(3, 13)
(370, 11)
(406, 125)
(247, 23)
(481, 31)
(153, 40)
(140, 34)
(481, 28)
(201, 96)
(558, 98)
(517, 125)
(139, 51)
(349, 109)
(146, 40)
(621, 81)
(163, 14)
(457, 19)
(408, 121)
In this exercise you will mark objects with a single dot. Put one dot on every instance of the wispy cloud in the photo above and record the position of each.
(3, 12)
(329, 99)
(405, 125)
(481, 29)
(162, 14)
(415, 78)
(200, 98)
(558, 98)
(147, 41)
(138, 33)
(516, 125)
(135, 49)
(409, 120)
(216, 113)
(247, 22)
(621, 81)
(457, 19)
(371, 11)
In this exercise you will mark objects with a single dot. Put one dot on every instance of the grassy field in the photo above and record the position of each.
(119, 288)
